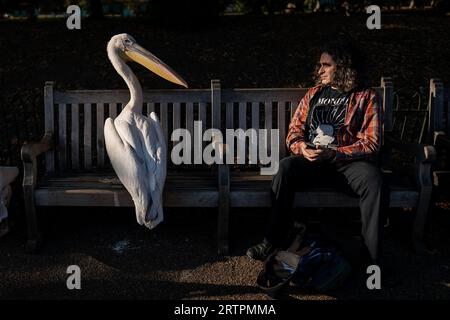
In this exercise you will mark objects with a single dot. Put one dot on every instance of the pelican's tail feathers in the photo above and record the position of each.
(155, 213)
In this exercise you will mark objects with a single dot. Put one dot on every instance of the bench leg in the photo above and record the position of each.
(34, 237)
(224, 210)
(420, 220)
(222, 230)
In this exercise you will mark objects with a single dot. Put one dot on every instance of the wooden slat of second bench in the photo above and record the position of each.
(253, 190)
(315, 198)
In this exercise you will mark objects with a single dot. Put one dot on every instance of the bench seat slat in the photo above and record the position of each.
(121, 198)
(315, 198)
(198, 189)
(250, 189)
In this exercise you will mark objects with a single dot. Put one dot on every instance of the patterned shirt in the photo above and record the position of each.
(359, 138)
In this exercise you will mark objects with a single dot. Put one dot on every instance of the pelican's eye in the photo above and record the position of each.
(127, 44)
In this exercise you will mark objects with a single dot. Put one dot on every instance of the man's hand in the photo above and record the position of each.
(318, 154)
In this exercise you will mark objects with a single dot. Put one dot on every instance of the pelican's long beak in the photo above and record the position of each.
(138, 54)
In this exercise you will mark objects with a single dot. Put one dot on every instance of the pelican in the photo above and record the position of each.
(135, 143)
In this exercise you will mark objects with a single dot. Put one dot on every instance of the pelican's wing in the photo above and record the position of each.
(156, 146)
(161, 149)
(147, 137)
(127, 156)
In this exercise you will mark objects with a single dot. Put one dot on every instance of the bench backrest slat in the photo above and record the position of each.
(447, 107)
(150, 107)
(100, 136)
(87, 134)
(281, 115)
(62, 129)
(436, 107)
(189, 124)
(255, 115)
(202, 113)
(164, 119)
(242, 115)
(386, 94)
(216, 104)
(268, 121)
(75, 136)
(229, 115)
(49, 122)
(176, 115)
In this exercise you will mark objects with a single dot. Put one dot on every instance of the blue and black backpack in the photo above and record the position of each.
(309, 263)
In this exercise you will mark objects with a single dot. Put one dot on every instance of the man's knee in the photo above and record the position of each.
(371, 175)
(288, 168)
(366, 177)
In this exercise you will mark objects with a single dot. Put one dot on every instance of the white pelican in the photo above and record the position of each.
(135, 143)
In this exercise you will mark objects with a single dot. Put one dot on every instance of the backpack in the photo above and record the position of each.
(309, 263)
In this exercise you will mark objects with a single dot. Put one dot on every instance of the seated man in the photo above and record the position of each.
(334, 137)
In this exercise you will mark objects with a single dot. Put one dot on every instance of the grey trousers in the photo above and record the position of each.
(362, 178)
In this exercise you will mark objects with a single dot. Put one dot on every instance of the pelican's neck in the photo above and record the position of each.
(135, 103)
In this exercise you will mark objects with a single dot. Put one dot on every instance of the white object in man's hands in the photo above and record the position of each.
(324, 135)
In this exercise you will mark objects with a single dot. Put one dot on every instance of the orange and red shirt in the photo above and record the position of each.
(359, 137)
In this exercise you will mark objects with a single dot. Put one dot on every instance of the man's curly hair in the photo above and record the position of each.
(350, 68)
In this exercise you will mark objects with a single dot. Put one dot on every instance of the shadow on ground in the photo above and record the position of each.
(177, 260)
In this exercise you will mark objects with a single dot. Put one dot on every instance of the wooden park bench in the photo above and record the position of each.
(77, 171)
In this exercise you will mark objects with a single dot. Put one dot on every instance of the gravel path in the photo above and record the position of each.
(121, 260)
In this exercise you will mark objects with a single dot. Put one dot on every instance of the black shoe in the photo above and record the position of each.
(4, 227)
(260, 251)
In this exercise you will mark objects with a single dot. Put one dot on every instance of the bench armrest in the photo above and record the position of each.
(29, 153)
(441, 140)
(422, 152)
(425, 155)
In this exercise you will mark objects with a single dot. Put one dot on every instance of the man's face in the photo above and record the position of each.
(327, 69)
